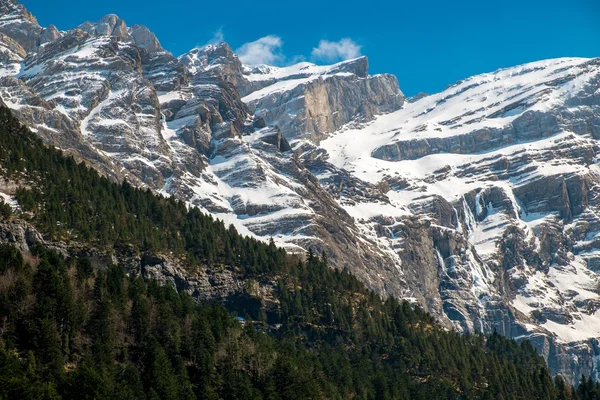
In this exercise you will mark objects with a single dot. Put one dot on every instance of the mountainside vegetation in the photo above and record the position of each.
(74, 331)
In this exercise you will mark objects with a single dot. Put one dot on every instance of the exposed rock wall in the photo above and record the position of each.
(317, 105)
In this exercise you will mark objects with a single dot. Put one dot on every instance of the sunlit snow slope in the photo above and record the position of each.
(514, 152)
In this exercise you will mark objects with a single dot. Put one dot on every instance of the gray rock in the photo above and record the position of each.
(341, 95)
(145, 39)
(20, 25)
(50, 34)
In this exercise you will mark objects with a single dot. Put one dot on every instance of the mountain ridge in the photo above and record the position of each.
(476, 202)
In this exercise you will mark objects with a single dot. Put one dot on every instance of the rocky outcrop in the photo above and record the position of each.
(531, 125)
(311, 102)
(208, 284)
(145, 39)
(20, 25)
(50, 34)
(215, 60)
(20, 235)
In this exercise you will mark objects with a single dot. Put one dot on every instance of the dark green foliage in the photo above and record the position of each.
(587, 389)
(69, 330)
(141, 340)
(19, 380)
(5, 210)
(10, 258)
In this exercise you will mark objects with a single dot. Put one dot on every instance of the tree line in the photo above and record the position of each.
(70, 330)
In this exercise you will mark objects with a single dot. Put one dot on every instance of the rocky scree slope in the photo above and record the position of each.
(478, 202)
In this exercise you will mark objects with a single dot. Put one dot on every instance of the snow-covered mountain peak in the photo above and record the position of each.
(358, 67)
(488, 103)
(112, 25)
(209, 56)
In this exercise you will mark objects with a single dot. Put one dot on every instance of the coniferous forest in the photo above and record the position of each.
(76, 331)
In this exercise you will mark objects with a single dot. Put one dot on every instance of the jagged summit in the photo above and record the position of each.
(12, 10)
(208, 56)
(109, 25)
(20, 25)
(112, 25)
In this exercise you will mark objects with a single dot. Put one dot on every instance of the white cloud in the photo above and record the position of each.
(218, 37)
(266, 50)
(295, 59)
(345, 49)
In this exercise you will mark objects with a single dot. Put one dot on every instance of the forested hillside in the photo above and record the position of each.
(68, 330)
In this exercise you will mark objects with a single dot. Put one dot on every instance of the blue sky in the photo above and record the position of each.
(427, 44)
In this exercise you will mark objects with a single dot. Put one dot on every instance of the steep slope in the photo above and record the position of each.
(505, 164)
(310, 101)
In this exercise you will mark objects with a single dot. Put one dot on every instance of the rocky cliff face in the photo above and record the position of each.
(504, 167)
(20, 25)
(308, 101)
(479, 202)
(304, 100)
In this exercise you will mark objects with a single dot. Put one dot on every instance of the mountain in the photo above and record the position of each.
(478, 203)
(180, 127)
(503, 167)
(83, 317)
